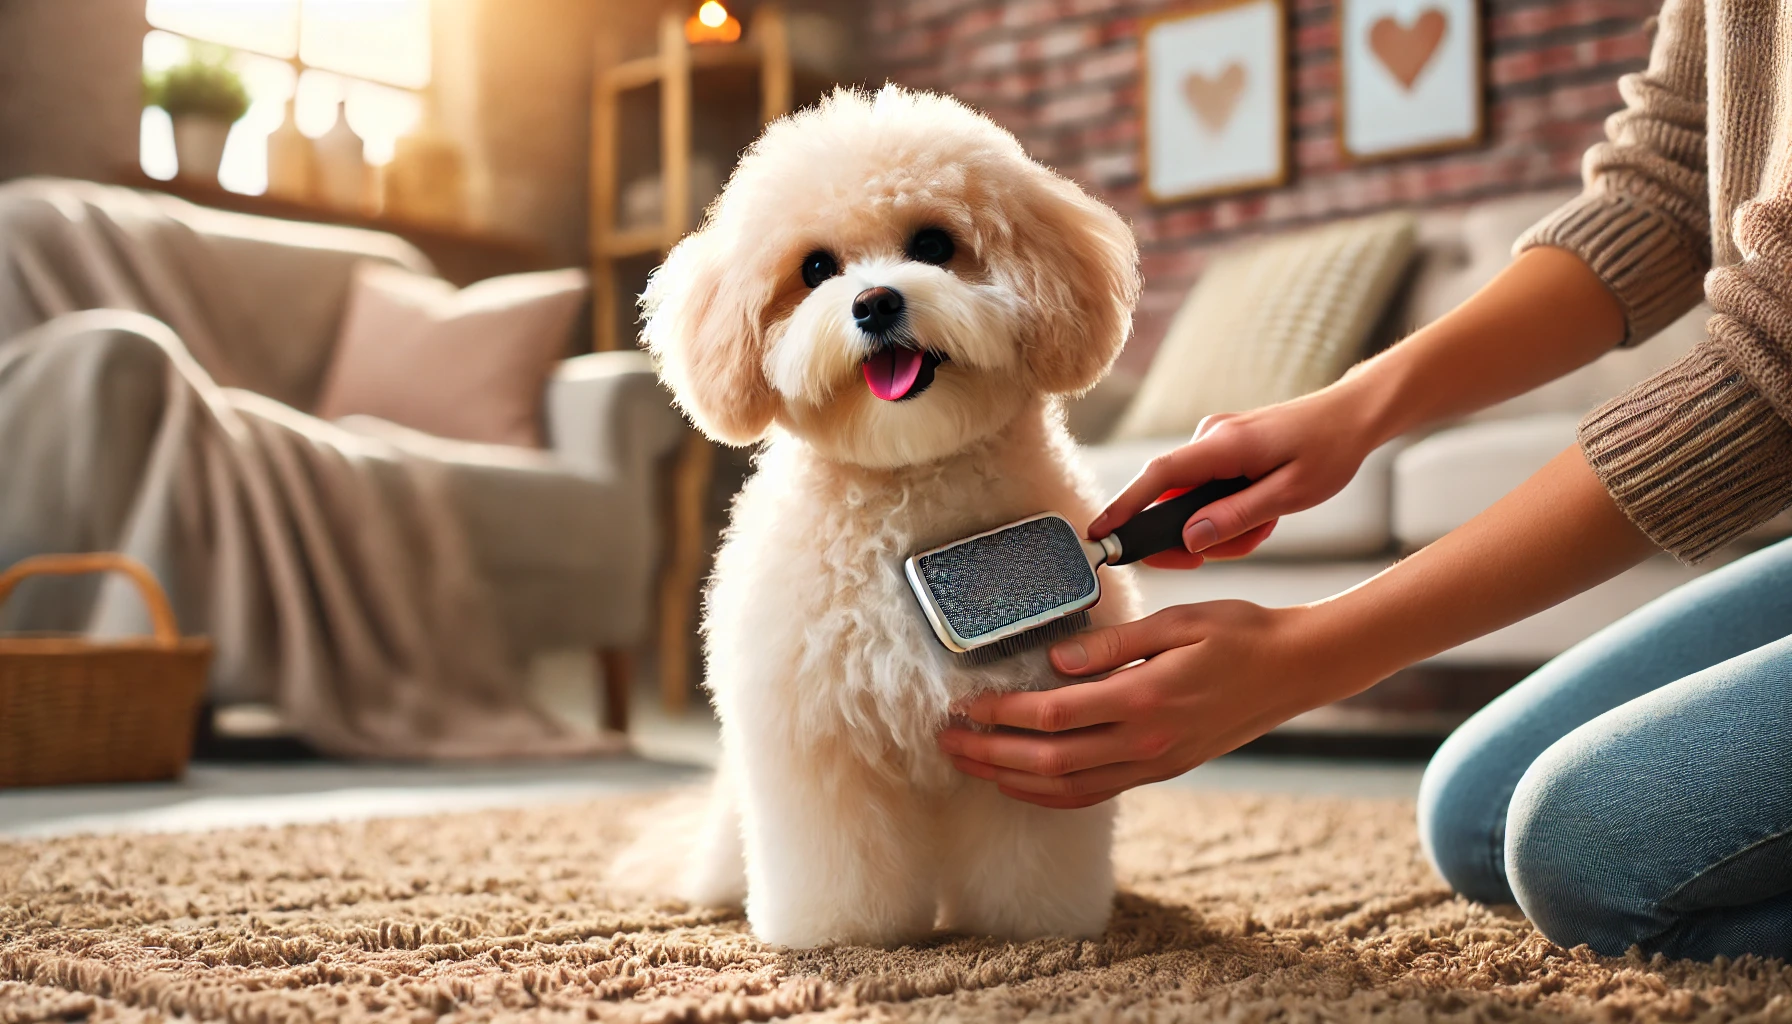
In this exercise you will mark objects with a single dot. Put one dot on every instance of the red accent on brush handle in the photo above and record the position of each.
(1159, 528)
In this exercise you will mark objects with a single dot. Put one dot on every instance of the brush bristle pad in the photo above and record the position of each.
(994, 581)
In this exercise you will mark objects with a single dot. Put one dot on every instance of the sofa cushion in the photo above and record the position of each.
(1448, 478)
(1352, 523)
(1527, 643)
(1608, 376)
(1092, 415)
(1461, 250)
(1271, 322)
(471, 364)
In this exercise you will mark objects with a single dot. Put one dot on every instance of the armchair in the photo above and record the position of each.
(565, 541)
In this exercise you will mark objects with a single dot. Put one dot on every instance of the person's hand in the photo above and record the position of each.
(1215, 676)
(1299, 453)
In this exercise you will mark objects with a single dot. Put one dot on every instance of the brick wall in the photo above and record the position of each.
(1064, 76)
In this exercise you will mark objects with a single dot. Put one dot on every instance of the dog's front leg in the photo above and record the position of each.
(1015, 870)
(837, 852)
(716, 875)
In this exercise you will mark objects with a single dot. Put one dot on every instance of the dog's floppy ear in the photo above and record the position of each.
(1082, 272)
(704, 330)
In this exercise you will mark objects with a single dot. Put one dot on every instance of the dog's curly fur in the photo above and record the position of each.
(835, 817)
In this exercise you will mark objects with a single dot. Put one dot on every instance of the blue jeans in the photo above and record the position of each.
(1637, 790)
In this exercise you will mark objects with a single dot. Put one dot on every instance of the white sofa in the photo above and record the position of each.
(1418, 488)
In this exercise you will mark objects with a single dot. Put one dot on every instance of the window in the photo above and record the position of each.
(374, 54)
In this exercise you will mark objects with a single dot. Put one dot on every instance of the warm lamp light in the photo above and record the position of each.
(712, 24)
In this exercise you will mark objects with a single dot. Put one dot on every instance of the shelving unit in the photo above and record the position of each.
(765, 49)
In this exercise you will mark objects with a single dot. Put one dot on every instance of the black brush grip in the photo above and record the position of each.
(1159, 528)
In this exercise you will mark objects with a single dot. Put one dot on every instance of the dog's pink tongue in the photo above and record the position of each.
(891, 371)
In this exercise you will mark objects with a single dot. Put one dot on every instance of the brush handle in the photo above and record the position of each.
(1159, 528)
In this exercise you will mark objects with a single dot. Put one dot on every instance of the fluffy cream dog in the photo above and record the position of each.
(898, 297)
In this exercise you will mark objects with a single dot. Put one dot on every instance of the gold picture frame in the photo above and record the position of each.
(1215, 99)
(1403, 93)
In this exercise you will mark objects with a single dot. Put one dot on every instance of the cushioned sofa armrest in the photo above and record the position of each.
(608, 417)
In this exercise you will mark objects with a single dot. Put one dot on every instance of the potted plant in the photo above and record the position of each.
(203, 97)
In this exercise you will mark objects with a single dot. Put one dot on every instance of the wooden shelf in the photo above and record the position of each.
(459, 254)
(636, 242)
(764, 53)
(633, 74)
(645, 71)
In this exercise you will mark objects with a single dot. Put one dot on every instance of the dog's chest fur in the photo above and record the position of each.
(810, 582)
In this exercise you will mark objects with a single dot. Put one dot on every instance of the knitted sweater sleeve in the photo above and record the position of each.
(1702, 451)
(1643, 220)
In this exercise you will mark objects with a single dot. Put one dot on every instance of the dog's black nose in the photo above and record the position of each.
(877, 310)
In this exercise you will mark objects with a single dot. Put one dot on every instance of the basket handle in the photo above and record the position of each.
(167, 633)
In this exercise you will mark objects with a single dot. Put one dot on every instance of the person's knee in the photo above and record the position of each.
(1566, 856)
(1462, 810)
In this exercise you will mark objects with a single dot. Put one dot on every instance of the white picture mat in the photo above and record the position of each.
(1183, 156)
(1444, 103)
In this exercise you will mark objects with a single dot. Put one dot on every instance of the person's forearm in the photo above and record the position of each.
(1544, 316)
(1556, 535)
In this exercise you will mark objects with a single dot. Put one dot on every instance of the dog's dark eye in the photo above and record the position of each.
(818, 266)
(931, 245)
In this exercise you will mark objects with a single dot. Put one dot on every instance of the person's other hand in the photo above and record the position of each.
(1214, 677)
(1299, 453)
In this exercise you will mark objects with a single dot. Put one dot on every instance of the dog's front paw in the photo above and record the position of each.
(798, 928)
(705, 886)
(1082, 915)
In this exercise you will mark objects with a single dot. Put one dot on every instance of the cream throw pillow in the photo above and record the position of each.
(1272, 322)
(470, 364)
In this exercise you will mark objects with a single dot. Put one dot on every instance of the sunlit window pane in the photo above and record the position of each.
(382, 116)
(269, 26)
(163, 50)
(385, 40)
(315, 106)
(270, 82)
(156, 144)
(355, 51)
(155, 140)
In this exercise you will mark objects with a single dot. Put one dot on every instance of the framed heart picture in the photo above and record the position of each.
(1412, 77)
(1216, 100)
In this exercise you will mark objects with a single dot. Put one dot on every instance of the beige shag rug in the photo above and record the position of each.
(1233, 908)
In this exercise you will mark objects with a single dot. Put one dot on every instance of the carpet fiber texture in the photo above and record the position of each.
(1233, 908)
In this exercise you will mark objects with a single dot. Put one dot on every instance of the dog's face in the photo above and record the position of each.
(890, 278)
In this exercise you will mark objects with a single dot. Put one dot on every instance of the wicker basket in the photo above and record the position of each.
(74, 709)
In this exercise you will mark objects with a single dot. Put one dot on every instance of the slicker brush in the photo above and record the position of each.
(1030, 582)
